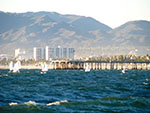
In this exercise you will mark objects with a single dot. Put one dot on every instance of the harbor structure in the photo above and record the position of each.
(99, 65)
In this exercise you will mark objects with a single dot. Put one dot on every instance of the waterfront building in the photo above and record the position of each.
(4, 57)
(38, 53)
(20, 54)
(17, 52)
(59, 53)
(48, 53)
(71, 53)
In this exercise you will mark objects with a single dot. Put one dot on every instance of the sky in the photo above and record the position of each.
(110, 12)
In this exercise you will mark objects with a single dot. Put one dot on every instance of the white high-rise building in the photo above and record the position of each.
(20, 54)
(53, 53)
(59, 53)
(17, 52)
(46, 52)
(39, 53)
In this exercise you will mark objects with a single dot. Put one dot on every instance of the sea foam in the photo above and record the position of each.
(57, 102)
(13, 103)
(30, 103)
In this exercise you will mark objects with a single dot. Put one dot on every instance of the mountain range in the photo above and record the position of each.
(87, 35)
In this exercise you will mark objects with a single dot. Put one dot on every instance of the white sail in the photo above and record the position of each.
(125, 69)
(87, 68)
(44, 67)
(17, 66)
(11, 66)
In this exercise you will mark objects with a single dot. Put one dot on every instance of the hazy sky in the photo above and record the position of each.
(110, 12)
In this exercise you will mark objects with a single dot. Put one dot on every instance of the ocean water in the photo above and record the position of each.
(98, 91)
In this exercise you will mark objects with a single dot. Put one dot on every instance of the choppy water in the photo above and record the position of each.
(96, 91)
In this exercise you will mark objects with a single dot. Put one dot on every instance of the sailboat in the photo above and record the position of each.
(124, 70)
(17, 66)
(44, 68)
(87, 68)
(11, 66)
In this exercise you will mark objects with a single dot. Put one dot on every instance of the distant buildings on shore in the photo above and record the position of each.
(38, 53)
(48, 53)
(20, 54)
(45, 53)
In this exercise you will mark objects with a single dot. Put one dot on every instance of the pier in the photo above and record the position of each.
(94, 65)
(100, 65)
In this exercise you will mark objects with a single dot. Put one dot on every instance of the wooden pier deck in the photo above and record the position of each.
(97, 65)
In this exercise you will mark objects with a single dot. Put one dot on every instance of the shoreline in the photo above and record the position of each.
(23, 67)
(93, 65)
(49, 67)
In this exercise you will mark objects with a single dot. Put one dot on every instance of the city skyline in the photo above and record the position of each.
(112, 13)
(48, 53)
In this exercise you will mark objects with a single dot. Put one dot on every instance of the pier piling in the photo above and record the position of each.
(97, 65)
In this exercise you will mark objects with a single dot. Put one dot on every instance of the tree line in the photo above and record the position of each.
(101, 58)
(121, 58)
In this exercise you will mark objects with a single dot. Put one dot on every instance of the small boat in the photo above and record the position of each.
(17, 67)
(124, 70)
(87, 68)
(44, 68)
(11, 66)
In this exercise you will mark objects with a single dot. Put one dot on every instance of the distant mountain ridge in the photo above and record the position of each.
(27, 30)
(133, 33)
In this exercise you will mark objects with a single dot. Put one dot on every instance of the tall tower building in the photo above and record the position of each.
(53, 53)
(39, 53)
(47, 53)
(59, 53)
(17, 52)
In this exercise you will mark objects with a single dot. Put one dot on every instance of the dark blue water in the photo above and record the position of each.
(96, 91)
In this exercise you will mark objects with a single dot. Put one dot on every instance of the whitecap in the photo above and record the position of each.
(13, 103)
(63, 101)
(3, 75)
(146, 79)
(57, 102)
(30, 103)
(146, 83)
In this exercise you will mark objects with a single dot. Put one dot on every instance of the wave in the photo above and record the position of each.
(13, 104)
(145, 83)
(108, 104)
(25, 103)
(34, 103)
(30, 103)
(4, 75)
(115, 102)
(57, 102)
